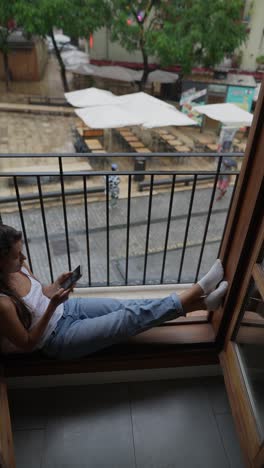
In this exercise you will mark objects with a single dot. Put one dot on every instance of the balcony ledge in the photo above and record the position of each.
(168, 346)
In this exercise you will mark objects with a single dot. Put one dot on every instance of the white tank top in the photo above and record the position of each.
(38, 303)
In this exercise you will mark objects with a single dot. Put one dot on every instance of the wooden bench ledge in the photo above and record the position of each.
(165, 346)
(169, 345)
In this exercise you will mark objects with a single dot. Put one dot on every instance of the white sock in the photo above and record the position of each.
(209, 282)
(213, 301)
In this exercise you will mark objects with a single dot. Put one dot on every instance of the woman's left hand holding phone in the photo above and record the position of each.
(60, 296)
(60, 280)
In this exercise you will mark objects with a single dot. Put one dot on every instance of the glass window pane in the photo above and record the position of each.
(261, 258)
(250, 339)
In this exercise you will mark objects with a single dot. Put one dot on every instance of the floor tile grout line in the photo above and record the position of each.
(221, 438)
(132, 427)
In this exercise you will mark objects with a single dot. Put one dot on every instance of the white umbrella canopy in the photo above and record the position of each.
(142, 103)
(227, 113)
(115, 73)
(167, 117)
(160, 76)
(110, 111)
(109, 116)
(152, 111)
(62, 41)
(75, 60)
(62, 38)
(90, 97)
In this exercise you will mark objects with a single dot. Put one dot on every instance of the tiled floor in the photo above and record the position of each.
(183, 423)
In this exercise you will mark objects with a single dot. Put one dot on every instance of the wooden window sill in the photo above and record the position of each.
(165, 346)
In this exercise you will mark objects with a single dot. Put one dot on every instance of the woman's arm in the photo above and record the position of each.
(50, 289)
(12, 328)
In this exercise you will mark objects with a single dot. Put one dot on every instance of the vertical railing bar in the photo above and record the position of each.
(87, 229)
(168, 228)
(128, 226)
(64, 212)
(107, 232)
(148, 228)
(227, 216)
(208, 217)
(22, 222)
(187, 227)
(45, 227)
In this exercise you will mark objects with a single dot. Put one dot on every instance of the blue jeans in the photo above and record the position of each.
(90, 324)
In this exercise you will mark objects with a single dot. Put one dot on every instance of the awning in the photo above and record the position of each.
(75, 60)
(228, 114)
(115, 72)
(90, 97)
(105, 110)
(110, 116)
(168, 117)
(161, 76)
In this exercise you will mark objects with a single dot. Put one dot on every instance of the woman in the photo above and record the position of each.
(34, 317)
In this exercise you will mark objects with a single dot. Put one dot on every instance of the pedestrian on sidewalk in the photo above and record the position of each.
(225, 179)
(37, 317)
(113, 186)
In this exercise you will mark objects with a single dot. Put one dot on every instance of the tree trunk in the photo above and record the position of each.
(146, 69)
(7, 71)
(179, 85)
(61, 64)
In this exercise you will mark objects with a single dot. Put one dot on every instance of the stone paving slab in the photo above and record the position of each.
(34, 134)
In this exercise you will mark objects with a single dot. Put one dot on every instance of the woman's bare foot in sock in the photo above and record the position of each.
(215, 298)
(209, 282)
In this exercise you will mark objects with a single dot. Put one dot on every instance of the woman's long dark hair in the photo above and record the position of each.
(8, 237)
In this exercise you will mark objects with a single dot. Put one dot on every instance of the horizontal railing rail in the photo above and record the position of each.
(123, 245)
(125, 155)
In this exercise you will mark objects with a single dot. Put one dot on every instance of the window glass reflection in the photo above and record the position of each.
(250, 339)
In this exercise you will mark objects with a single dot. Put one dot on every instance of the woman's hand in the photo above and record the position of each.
(60, 296)
(60, 280)
(53, 288)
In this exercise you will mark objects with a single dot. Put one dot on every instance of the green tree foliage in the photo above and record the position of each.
(7, 26)
(77, 18)
(184, 32)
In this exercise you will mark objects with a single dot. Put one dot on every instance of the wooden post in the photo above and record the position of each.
(7, 456)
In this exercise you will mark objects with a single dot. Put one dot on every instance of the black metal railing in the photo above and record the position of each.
(150, 238)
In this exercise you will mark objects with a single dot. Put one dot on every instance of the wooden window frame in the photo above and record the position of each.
(243, 240)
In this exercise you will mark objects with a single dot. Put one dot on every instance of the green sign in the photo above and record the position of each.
(241, 95)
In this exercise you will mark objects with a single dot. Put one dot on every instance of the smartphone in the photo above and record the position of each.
(76, 274)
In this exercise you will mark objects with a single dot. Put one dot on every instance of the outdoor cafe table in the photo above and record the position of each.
(167, 137)
(136, 144)
(131, 138)
(93, 144)
(143, 150)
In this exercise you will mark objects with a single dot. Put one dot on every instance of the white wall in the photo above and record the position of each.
(255, 43)
(105, 50)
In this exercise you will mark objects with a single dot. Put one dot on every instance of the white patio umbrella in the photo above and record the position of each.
(142, 103)
(90, 97)
(161, 76)
(109, 116)
(227, 113)
(75, 60)
(62, 41)
(153, 111)
(115, 73)
(109, 111)
(167, 117)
